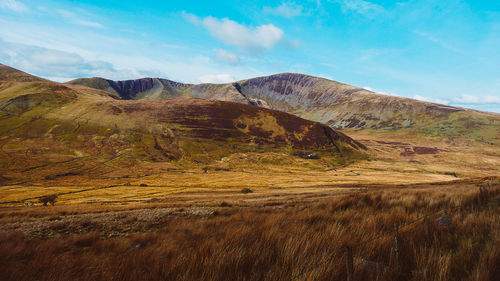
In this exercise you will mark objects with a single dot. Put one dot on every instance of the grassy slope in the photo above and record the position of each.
(87, 132)
(52, 131)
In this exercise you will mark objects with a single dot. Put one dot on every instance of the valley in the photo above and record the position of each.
(141, 177)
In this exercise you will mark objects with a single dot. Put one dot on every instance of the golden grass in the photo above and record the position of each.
(164, 185)
(296, 239)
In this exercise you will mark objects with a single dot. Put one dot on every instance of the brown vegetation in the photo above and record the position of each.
(294, 240)
(48, 199)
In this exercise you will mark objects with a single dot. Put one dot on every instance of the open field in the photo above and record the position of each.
(185, 184)
(282, 234)
(400, 161)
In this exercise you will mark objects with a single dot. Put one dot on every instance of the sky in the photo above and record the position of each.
(445, 51)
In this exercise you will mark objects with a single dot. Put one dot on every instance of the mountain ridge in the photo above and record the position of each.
(339, 105)
(237, 83)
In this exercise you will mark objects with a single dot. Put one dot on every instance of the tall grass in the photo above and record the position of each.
(301, 242)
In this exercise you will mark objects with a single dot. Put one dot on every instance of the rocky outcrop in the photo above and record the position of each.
(130, 89)
(145, 88)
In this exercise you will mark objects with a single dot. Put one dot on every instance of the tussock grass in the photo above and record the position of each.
(300, 241)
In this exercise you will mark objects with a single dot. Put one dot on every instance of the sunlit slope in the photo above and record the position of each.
(50, 130)
(335, 104)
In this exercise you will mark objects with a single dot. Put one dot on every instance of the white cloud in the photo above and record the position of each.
(492, 99)
(216, 78)
(286, 10)
(253, 40)
(226, 57)
(428, 99)
(183, 65)
(59, 65)
(13, 5)
(193, 19)
(89, 23)
(467, 99)
(360, 6)
(72, 17)
(378, 92)
(470, 99)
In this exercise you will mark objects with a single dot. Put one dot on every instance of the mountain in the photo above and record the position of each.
(50, 130)
(9, 74)
(338, 105)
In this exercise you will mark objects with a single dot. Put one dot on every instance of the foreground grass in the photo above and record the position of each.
(297, 241)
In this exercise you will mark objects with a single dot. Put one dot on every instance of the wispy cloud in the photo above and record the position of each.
(216, 78)
(226, 57)
(286, 10)
(360, 6)
(72, 17)
(373, 53)
(252, 40)
(429, 99)
(378, 91)
(13, 5)
(437, 41)
(58, 65)
(470, 99)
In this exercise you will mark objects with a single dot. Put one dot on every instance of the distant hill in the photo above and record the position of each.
(338, 105)
(49, 130)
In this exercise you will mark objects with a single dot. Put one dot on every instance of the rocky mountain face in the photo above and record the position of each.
(335, 104)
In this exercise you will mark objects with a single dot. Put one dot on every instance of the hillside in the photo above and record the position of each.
(50, 130)
(338, 105)
(65, 132)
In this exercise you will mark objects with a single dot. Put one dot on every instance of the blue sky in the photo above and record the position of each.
(443, 51)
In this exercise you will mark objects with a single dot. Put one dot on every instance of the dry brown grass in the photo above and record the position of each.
(297, 240)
